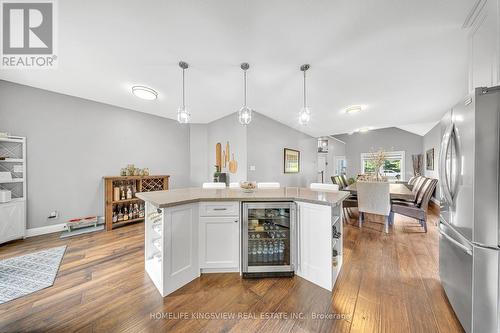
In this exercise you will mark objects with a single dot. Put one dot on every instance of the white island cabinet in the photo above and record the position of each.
(219, 237)
(319, 248)
(192, 231)
(172, 246)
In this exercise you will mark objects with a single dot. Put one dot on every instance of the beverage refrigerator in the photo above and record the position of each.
(268, 239)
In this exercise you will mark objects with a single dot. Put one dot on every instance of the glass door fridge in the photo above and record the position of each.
(268, 239)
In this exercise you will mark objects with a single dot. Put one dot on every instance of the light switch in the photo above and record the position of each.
(252, 167)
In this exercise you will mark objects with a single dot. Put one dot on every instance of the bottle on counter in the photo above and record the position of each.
(125, 213)
(129, 192)
(123, 195)
(120, 214)
(116, 192)
(141, 210)
(136, 211)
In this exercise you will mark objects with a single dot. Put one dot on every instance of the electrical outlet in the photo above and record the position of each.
(54, 215)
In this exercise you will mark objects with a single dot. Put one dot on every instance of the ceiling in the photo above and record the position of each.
(405, 60)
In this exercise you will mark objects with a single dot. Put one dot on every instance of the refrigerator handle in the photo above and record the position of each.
(457, 244)
(455, 136)
(445, 142)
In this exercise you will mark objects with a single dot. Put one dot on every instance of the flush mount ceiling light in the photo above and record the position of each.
(353, 109)
(364, 129)
(305, 113)
(144, 93)
(245, 113)
(183, 115)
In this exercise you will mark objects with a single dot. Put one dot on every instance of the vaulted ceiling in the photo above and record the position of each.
(404, 60)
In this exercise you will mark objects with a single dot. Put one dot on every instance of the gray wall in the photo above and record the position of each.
(390, 139)
(266, 140)
(223, 130)
(432, 140)
(72, 143)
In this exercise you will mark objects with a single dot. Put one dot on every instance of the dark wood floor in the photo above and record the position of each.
(389, 283)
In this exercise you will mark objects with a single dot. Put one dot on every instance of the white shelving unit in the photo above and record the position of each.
(13, 213)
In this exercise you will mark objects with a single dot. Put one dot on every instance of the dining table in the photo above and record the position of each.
(396, 191)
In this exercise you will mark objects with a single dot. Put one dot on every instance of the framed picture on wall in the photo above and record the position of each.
(429, 159)
(291, 161)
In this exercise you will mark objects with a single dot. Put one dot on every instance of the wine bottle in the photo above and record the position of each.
(129, 192)
(120, 214)
(130, 212)
(115, 216)
(125, 214)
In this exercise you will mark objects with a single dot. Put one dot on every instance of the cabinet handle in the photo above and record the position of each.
(220, 208)
(236, 221)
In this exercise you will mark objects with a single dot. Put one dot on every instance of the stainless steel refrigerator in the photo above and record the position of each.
(469, 245)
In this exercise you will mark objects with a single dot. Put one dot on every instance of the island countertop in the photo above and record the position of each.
(174, 197)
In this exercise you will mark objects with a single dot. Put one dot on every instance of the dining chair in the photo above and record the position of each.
(344, 179)
(321, 186)
(234, 185)
(268, 185)
(338, 180)
(418, 208)
(214, 185)
(374, 198)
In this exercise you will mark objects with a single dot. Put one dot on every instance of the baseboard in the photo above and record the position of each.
(45, 230)
(219, 270)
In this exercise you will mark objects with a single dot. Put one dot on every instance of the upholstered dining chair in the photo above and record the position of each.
(214, 185)
(418, 208)
(374, 198)
(321, 186)
(268, 185)
(344, 179)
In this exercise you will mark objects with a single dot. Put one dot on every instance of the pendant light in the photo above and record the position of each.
(305, 113)
(183, 115)
(245, 113)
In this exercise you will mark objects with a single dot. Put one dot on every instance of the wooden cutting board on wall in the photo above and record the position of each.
(218, 156)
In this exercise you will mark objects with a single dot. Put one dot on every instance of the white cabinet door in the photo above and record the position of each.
(315, 244)
(181, 263)
(484, 46)
(12, 222)
(219, 243)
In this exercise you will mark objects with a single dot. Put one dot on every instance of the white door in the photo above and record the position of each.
(219, 243)
(315, 253)
(322, 167)
(340, 165)
(181, 244)
(11, 221)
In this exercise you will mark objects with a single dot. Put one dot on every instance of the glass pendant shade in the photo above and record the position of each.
(304, 116)
(245, 115)
(183, 115)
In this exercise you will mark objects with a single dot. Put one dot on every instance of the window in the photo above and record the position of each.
(393, 167)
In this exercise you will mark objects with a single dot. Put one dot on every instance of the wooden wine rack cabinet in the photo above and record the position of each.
(142, 184)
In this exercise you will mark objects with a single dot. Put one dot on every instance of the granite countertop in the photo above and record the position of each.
(170, 198)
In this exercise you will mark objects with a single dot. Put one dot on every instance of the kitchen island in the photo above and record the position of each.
(190, 231)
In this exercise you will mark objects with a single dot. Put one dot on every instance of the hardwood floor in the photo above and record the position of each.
(389, 283)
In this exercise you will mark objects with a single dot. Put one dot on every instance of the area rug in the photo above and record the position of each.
(23, 275)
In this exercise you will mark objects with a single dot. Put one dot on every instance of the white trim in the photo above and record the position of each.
(334, 138)
(45, 230)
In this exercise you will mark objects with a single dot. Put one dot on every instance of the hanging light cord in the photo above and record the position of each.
(183, 89)
(304, 89)
(245, 87)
